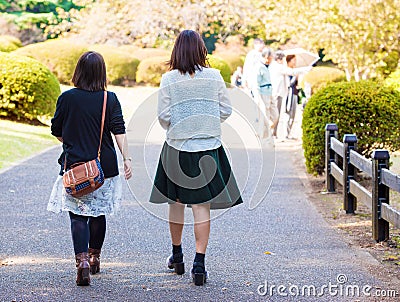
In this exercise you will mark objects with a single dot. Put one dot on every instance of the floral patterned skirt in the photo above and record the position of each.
(104, 201)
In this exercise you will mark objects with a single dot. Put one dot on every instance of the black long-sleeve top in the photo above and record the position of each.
(78, 119)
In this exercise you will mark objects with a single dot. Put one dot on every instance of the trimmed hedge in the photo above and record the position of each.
(393, 80)
(9, 43)
(121, 65)
(60, 56)
(28, 89)
(321, 76)
(222, 66)
(150, 70)
(233, 60)
(366, 108)
(145, 53)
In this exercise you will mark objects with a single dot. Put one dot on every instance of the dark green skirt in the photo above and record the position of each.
(195, 178)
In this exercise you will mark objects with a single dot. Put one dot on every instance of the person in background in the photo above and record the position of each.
(76, 123)
(293, 95)
(250, 67)
(236, 78)
(193, 168)
(268, 114)
(280, 73)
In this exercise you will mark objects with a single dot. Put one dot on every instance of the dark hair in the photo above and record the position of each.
(90, 72)
(279, 55)
(266, 52)
(189, 53)
(289, 58)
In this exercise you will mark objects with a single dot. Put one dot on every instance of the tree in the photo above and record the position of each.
(158, 22)
(362, 45)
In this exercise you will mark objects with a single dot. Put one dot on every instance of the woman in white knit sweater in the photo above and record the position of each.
(193, 169)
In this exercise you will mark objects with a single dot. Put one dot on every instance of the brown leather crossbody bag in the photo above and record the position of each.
(85, 177)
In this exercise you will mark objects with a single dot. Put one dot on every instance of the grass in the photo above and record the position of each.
(18, 141)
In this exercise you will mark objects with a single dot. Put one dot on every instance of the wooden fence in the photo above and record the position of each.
(344, 172)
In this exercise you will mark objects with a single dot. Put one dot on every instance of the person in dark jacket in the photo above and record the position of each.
(76, 123)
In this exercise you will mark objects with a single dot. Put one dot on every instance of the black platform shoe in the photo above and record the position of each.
(176, 262)
(199, 273)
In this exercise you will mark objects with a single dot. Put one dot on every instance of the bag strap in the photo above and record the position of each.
(103, 117)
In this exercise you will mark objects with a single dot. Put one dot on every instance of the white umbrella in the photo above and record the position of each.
(303, 57)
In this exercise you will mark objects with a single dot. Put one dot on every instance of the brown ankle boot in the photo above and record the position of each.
(94, 260)
(82, 272)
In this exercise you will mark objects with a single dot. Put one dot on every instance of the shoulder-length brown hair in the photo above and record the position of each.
(289, 58)
(189, 53)
(90, 72)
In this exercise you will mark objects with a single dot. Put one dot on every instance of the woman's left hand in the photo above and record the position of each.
(128, 168)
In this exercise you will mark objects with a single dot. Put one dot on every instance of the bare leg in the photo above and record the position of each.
(201, 213)
(176, 220)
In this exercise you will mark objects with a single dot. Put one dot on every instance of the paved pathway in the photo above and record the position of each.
(37, 262)
(36, 254)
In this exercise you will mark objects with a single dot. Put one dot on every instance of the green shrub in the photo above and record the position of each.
(393, 80)
(121, 65)
(319, 77)
(150, 70)
(60, 56)
(222, 66)
(368, 109)
(233, 60)
(28, 89)
(9, 43)
(145, 53)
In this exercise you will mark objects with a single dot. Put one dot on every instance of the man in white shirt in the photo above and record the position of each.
(251, 64)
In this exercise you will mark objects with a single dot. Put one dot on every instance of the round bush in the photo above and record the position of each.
(233, 60)
(60, 56)
(9, 43)
(150, 70)
(368, 109)
(145, 53)
(121, 65)
(222, 66)
(393, 80)
(321, 76)
(28, 89)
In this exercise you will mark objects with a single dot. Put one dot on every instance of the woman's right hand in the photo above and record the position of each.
(128, 168)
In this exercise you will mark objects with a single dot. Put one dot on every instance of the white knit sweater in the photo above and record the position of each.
(192, 108)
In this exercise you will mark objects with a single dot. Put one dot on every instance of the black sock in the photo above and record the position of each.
(199, 258)
(177, 249)
(177, 253)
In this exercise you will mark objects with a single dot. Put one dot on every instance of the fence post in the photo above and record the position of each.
(331, 130)
(380, 194)
(349, 200)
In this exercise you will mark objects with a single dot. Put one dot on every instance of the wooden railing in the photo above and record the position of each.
(341, 165)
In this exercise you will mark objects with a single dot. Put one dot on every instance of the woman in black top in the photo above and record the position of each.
(76, 123)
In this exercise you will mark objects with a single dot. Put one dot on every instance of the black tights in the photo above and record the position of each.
(87, 232)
